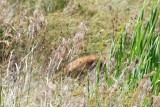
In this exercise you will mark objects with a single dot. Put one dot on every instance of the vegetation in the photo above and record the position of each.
(79, 53)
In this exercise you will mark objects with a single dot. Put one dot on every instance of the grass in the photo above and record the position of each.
(38, 43)
(144, 49)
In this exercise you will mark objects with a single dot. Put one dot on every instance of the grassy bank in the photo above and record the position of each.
(112, 45)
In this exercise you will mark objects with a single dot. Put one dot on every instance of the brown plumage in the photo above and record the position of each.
(80, 62)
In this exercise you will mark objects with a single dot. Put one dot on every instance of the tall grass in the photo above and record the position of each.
(143, 50)
(136, 60)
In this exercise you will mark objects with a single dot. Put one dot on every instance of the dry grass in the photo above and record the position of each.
(40, 42)
(140, 87)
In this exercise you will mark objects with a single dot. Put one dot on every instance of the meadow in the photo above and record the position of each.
(79, 53)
